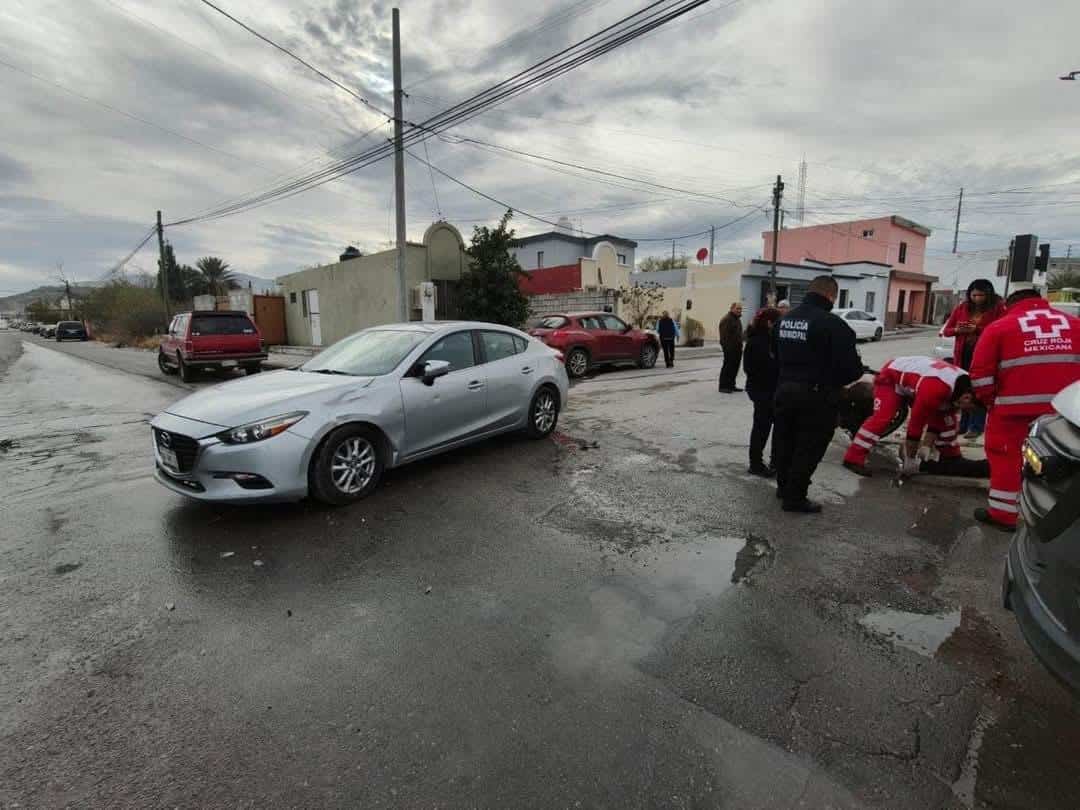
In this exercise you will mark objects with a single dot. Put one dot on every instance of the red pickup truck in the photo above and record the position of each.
(211, 340)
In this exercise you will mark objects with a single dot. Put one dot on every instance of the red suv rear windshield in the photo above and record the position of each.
(221, 325)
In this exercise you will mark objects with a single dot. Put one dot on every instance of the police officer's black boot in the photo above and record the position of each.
(806, 507)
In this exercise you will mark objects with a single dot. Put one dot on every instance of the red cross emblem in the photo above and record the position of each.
(1044, 323)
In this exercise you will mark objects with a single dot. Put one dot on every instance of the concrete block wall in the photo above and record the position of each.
(579, 301)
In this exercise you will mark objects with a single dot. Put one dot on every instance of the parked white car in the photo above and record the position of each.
(865, 325)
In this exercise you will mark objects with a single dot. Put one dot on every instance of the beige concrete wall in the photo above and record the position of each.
(603, 269)
(711, 289)
(363, 292)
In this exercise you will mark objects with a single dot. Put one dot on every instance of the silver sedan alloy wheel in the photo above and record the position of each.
(545, 411)
(353, 465)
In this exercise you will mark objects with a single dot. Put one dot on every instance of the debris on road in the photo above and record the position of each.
(7, 444)
(427, 589)
(226, 554)
(258, 563)
(170, 605)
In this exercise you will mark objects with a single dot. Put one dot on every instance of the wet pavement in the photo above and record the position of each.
(619, 617)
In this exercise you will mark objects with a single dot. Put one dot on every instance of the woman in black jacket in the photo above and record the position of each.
(762, 372)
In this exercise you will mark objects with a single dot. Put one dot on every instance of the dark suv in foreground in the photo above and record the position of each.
(1042, 577)
(220, 339)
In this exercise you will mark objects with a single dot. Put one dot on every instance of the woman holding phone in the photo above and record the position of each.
(980, 308)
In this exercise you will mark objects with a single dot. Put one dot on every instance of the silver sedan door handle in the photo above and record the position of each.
(475, 385)
(526, 369)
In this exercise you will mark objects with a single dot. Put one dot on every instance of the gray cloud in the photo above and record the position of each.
(895, 108)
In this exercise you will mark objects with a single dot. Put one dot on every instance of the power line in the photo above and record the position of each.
(299, 59)
(546, 221)
(593, 47)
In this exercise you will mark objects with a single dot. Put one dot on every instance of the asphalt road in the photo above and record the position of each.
(619, 617)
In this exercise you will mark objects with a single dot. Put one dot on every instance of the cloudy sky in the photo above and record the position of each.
(116, 108)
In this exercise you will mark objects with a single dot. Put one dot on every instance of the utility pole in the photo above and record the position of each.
(712, 244)
(956, 230)
(1008, 267)
(672, 252)
(163, 268)
(399, 173)
(800, 209)
(777, 196)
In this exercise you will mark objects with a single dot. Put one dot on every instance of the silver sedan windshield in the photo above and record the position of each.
(366, 354)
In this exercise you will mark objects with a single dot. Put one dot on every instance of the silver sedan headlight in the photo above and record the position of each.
(263, 429)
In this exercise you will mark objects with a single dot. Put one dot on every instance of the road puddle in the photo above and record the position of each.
(922, 633)
(648, 591)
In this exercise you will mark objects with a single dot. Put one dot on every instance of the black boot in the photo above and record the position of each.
(758, 468)
(806, 507)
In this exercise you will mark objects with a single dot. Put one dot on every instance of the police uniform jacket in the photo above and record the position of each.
(815, 347)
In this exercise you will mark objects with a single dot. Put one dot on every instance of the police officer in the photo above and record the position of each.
(817, 356)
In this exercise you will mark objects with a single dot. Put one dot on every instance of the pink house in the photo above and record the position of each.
(895, 241)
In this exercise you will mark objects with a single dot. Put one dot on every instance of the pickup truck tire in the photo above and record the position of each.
(187, 373)
(254, 369)
(163, 364)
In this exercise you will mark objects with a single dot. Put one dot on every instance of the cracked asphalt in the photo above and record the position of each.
(618, 617)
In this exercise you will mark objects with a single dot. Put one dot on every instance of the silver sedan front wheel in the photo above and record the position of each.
(347, 465)
(353, 465)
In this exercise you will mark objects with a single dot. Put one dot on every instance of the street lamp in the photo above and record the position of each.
(1070, 76)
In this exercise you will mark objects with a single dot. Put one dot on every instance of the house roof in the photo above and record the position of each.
(569, 237)
(907, 275)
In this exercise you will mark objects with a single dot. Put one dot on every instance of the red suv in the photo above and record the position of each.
(213, 340)
(589, 339)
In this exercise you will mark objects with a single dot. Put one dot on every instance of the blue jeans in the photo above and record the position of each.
(973, 421)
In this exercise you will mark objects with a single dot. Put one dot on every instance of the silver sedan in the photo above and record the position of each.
(375, 400)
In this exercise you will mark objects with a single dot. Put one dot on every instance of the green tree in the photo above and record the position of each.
(489, 288)
(193, 282)
(176, 287)
(654, 263)
(39, 310)
(219, 279)
(1059, 279)
(641, 303)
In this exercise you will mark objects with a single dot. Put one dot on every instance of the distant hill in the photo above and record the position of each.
(49, 292)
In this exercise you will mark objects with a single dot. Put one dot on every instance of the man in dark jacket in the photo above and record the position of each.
(817, 357)
(668, 332)
(731, 341)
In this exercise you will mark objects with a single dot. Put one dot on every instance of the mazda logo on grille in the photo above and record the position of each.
(165, 439)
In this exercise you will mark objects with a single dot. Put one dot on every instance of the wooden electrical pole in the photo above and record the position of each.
(399, 172)
(163, 268)
(956, 230)
(777, 196)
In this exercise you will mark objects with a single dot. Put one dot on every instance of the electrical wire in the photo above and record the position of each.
(546, 221)
(299, 59)
(593, 47)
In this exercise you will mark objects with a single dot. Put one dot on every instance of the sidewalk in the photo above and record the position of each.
(288, 356)
(714, 350)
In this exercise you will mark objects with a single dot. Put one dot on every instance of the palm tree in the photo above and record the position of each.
(217, 274)
(1060, 279)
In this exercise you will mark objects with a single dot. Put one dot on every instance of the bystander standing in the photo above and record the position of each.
(761, 375)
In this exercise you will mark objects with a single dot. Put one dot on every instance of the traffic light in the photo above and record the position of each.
(1042, 263)
(1023, 258)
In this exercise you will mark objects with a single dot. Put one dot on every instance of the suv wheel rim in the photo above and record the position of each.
(544, 412)
(648, 355)
(579, 363)
(353, 465)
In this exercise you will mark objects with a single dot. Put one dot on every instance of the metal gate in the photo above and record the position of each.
(447, 300)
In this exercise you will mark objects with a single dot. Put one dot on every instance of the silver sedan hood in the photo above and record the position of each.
(268, 394)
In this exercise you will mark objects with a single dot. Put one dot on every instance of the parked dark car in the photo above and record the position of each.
(71, 330)
(590, 339)
(48, 331)
(211, 340)
(1042, 577)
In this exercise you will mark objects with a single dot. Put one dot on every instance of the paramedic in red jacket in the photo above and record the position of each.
(1021, 362)
(936, 390)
